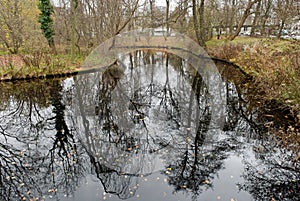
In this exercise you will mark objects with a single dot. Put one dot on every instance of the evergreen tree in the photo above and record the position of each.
(46, 22)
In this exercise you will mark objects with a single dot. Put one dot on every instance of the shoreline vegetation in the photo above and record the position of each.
(274, 90)
(273, 63)
(36, 65)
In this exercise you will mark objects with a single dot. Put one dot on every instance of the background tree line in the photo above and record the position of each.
(80, 25)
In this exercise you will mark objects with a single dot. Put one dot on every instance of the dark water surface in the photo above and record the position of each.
(140, 130)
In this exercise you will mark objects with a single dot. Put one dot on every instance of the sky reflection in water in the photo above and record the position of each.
(139, 133)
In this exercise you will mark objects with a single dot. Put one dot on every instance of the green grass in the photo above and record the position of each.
(3, 52)
(244, 40)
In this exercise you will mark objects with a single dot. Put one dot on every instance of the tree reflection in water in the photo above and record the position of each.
(148, 119)
(148, 114)
(29, 167)
(273, 174)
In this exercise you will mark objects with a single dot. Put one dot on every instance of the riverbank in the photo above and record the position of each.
(37, 65)
(274, 67)
(273, 63)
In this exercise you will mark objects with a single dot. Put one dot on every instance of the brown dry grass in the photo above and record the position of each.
(274, 64)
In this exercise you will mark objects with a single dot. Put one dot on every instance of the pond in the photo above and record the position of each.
(142, 129)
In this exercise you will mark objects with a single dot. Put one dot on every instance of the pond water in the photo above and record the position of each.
(139, 130)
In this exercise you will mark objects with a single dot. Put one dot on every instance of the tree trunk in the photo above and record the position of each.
(52, 46)
(167, 15)
(244, 17)
(152, 12)
(74, 4)
(281, 28)
(265, 17)
(199, 24)
(128, 19)
(232, 16)
(255, 20)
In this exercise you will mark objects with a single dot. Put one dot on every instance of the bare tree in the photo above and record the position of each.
(88, 23)
(266, 7)
(11, 25)
(284, 10)
(246, 14)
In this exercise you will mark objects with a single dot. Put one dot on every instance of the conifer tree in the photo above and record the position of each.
(46, 22)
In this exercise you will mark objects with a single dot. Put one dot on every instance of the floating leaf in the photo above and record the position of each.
(206, 181)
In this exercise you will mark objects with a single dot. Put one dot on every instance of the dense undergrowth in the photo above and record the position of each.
(36, 64)
(273, 63)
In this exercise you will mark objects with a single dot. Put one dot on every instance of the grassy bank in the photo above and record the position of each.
(273, 63)
(36, 64)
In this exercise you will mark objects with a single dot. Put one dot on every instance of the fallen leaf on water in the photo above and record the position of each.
(206, 182)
